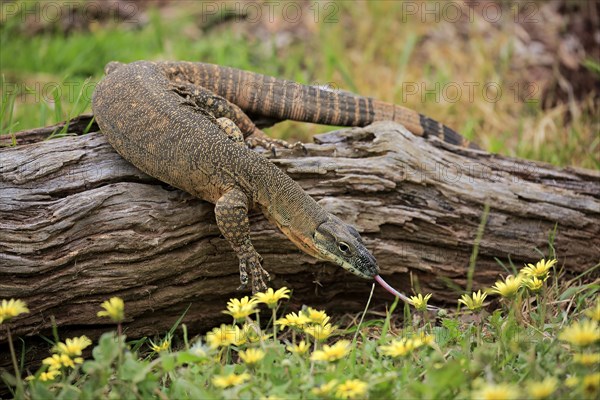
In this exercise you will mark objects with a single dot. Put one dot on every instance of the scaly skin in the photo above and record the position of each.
(172, 120)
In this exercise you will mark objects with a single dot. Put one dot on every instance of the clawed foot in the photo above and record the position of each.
(250, 262)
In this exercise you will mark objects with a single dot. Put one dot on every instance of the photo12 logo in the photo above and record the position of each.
(470, 10)
(291, 12)
(48, 92)
(68, 11)
(454, 92)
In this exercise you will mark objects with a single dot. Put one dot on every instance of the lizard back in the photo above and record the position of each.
(179, 143)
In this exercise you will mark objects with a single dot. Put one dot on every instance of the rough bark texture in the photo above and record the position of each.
(79, 225)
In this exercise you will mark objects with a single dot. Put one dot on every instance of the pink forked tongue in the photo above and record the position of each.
(396, 293)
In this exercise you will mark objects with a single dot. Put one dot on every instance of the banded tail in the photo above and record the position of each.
(279, 99)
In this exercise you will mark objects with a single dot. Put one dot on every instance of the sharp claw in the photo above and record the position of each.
(251, 268)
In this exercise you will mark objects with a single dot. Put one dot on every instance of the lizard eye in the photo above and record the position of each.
(344, 248)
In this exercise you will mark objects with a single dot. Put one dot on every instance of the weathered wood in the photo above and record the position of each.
(79, 225)
(73, 127)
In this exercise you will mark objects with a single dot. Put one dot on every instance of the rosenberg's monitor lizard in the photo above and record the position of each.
(185, 123)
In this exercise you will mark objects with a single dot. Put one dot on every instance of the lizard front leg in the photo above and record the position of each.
(231, 211)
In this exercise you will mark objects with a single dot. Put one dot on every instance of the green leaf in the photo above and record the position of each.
(442, 380)
(92, 367)
(184, 389)
(68, 393)
(133, 370)
(168, 361)
(107, 350)
(386, 324)
(176, 324)
(184, 357)
(40, 390)
(8, 378)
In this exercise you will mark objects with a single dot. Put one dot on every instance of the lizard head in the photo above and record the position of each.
(341, 244)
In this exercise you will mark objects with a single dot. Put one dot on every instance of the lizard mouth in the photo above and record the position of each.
(363, 264)
(356, 271)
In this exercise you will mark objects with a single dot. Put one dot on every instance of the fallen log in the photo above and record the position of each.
(80, 224)
(76, 126)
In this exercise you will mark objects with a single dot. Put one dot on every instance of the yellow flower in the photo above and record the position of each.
(426, 339)
(533, 283)
(571, 381)
(509, 287)
(420, 302)
(316, 316)
(320, 332)
(224, 336)
(581, 333)
(57, 361)
(540, 270)
(473, 302)
(270, 298)
(45, 376)
(53, 363)
(293, 320)
(543, 389)
(11, 308)
(352, 389)
(239, 309)
(49, 375)
(400, 347)
(496, 392)
(73, 347)
(114, 309)
(300, 348)
(332, 353)
(252, 356)
(590, 359)
(325, 388)
(69, 361)
(164, 346)
(225, 381)
(591, 383)
(594, 312)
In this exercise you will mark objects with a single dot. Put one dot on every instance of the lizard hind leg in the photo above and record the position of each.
(231, 211)
(259, 138)
(231, 130)
(221, 108)
(215, 105)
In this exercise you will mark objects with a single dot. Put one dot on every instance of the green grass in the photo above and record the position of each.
(379, 59)
(515, 343)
